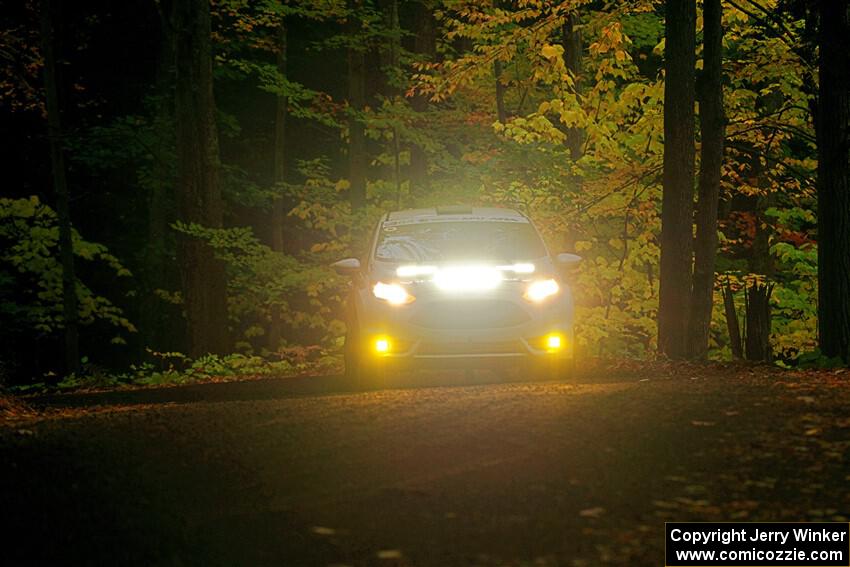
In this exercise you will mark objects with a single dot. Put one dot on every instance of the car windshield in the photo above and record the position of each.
(448, 241)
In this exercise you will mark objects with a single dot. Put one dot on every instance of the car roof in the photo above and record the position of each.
(455, 213)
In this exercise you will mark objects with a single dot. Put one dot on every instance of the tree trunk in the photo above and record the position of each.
(198, 187)
(389, 55)
(572, 43)
(757, 342)
(279, 207)
(152, 324)
(732, 323)
(391, 73)
(678, 178)
(574, 141)
(761, 260)
(712, 129)
(501, 114)
(357, 161)
(281, 111)
(833, 137)
(60, 188)
(424, 45)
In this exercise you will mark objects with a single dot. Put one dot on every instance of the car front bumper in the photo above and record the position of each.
(493, 329)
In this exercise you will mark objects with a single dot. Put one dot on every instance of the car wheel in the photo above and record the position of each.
(372, 375)
(567, 369)
(352, 352)
(544, 369)
(352, 360)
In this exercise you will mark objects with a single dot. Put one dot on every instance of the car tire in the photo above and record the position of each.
(372, 375)
(366, 375)
(568, 370)
(548, 370)
(352, 361)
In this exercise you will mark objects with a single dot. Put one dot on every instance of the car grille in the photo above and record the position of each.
(470, 315)
(469, 348)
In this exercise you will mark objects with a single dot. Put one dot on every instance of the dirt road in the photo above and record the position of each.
(301, 472)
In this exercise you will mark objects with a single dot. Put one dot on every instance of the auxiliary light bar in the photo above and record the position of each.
(426, 270)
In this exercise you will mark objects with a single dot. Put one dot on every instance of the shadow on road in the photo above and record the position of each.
(281, 388)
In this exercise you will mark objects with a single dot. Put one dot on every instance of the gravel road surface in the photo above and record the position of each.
(435, 472)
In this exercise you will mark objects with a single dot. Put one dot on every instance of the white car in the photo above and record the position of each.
(457, 287)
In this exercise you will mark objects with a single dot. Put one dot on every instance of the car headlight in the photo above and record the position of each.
(394, 294)
(539, 290)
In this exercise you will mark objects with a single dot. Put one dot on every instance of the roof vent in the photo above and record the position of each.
(454, 210)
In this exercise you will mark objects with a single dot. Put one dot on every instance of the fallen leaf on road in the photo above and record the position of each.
(321, 530)
(698, 423)
(389, 554)
(592, 512)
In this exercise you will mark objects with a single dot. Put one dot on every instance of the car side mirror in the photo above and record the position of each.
(567, 259)
(347, 267)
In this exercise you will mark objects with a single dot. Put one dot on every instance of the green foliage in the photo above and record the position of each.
(606, 201)
(246, 30)
(174, 368)
(816, 359)
(261, 281)
(602, 201)
(645, 30)
(794, 301)
(31, 275)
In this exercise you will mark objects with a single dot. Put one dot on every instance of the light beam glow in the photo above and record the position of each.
(413, 271)
(468, 278)
(554, 342)
(539, 290)
(394, 294)
(519, 268)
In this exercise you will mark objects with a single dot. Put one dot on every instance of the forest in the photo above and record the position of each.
(180, 174)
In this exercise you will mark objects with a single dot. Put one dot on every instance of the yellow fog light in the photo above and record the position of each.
(382, 345)
(554, 342)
